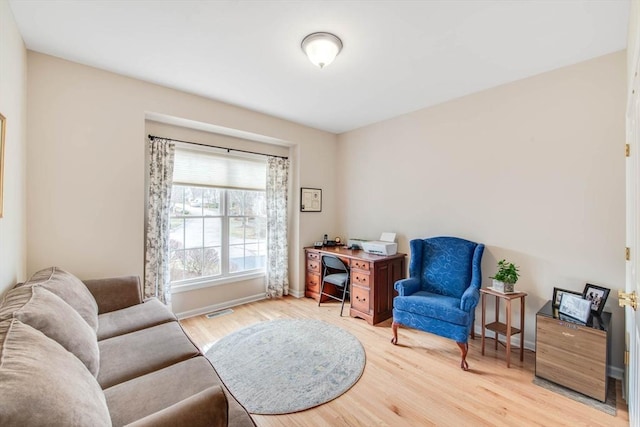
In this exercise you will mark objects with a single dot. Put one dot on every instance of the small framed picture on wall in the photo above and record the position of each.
(310, 200)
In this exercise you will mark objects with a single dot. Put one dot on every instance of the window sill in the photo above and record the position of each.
(191, 286)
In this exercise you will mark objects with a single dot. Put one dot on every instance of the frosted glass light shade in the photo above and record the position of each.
(321, 48)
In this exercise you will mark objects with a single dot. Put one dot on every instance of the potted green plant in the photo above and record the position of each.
(506, 276)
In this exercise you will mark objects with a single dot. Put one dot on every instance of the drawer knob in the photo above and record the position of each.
(567, 334)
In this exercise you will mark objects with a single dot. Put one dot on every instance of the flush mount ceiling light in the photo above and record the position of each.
(321, 48)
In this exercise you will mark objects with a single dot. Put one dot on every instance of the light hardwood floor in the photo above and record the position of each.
(419, 381)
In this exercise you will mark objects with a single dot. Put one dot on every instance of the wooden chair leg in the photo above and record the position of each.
(473, 329)
(464, 348)
(394, 328)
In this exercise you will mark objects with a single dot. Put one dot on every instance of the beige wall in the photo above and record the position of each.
(86, 174)
(13, 106)
(533, 169)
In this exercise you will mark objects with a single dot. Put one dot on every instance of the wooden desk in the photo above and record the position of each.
(501, 328)
(372, 280)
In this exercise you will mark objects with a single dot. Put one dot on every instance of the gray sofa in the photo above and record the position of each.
(95, 353)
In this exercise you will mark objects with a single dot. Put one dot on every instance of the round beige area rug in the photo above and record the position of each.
(288, 365)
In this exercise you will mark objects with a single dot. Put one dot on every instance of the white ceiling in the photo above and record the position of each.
(398, 56)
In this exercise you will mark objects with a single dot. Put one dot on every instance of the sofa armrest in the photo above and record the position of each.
(209, 408)
(115, 293)
(407, 287)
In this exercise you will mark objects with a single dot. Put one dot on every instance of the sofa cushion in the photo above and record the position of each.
(207, 408)
(114, 293)
(70, 289)
(140, 316)
(48, 313)
(41, 383)
(131, 355)
(161, 389)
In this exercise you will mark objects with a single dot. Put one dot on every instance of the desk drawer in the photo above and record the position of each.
(361, 279)
(360, 265)
(313, 283)
(360, 300)
(313, 266)
(313, 256)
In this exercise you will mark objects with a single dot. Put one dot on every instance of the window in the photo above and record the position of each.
(217, 229)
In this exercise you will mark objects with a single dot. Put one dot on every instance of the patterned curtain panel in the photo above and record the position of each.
(277, 250)
(156, 268)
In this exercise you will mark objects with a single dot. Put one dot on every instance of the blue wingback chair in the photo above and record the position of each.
(442, 291)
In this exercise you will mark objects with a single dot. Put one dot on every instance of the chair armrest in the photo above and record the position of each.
(209, 408)
(471, 296)
(406, 287)
(115, 293)
(469, 299)
(476, 270)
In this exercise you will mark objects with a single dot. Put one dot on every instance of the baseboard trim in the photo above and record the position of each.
(296, 294)
(615, 372)
(221, 306)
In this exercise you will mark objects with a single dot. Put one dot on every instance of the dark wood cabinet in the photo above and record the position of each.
(372, 280)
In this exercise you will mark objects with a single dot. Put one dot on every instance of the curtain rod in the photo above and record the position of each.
(152, 137)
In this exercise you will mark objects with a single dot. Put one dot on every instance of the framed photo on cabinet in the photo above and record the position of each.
(576, 307)
(598, 297)
(558, 293)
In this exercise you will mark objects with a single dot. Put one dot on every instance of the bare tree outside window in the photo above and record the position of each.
(202, 219)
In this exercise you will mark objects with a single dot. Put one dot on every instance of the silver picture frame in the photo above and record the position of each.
(575, 307)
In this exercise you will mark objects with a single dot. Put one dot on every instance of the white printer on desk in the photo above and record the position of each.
(385, 246)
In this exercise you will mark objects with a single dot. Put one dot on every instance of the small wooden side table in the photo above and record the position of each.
(500, 328)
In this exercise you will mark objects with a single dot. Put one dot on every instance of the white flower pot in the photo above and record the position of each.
(502, 287)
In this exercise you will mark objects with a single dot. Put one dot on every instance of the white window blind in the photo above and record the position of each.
(205, 167)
